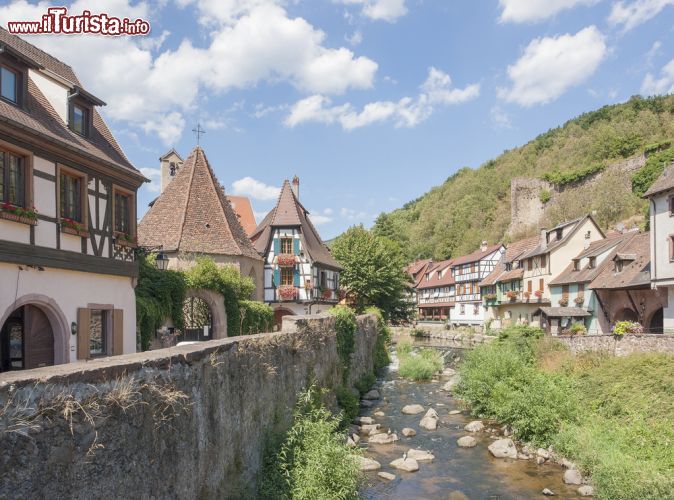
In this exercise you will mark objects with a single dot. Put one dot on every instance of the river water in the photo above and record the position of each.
(456, 473)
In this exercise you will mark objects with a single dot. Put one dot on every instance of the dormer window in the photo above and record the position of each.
(559, 234)
(79, 119)
(618, 266)
(9, 85)
(593, 263)
(576, 265)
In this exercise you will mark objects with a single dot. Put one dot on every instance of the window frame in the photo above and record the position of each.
(670, 238)
(84, 193)
(106, 318)
(27, 166)
(132, 209)
(290, 271)
(285, 240)
(18, 84)
(87, 117)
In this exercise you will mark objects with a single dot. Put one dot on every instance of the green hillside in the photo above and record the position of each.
(474, 204)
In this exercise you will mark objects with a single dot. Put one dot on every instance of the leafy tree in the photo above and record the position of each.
(373, 272)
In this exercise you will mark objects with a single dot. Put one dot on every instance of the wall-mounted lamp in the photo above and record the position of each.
(73, 328)
(161, 261)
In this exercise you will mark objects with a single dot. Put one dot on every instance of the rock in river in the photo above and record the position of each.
(573, 476)
(407, 432)
(503, 448)
(386, 475)
(367, 464)
(408, 464)
(454, 412)
(413, 409)
(430, 420)
(420, 455)
(379, 414)
(451, 383)
(467, 442)
(586, 491)
(373, 394)
(548, 492)
(383, 438)
(369, 428)
(363, 420)
(474, 426)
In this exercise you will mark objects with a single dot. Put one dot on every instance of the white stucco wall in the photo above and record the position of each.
(56, 93)
(70, 290)
(662, 227)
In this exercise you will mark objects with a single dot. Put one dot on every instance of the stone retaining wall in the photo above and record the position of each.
(185, 422)
(621, 346)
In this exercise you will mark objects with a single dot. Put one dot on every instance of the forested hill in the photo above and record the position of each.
(474, 204)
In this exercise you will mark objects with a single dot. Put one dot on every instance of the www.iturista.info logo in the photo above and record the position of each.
(57, 20)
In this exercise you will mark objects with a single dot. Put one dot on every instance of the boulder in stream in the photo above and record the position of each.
(586, 491)
(454, 412)
(548, 492)
(363, 420)
(430, 420)
(367, 464)
(383, 438)
(474, 426)
(467, 442)
(371, 395)
(573, 476)
(368, 428)
(420, 455)
(413, 409)
(408, 432)
(386, 475)
(451, 383)
(503, 448)
(407, 464)
(379, 414)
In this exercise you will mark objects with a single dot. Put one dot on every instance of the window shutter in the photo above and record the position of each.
(277, 276)
(541, 285)
(117, 332)
(83, 325)
(296, 246)
(277, 246)
(296, 276)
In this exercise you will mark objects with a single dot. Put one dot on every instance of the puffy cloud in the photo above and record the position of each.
(523, 11)
(154, 174)
(320, 217)
(663, 85)
(380, 10)
(407, 112)
(500, 118)
(550, 66)
(250, 41)
(255, 189)
(632, 14)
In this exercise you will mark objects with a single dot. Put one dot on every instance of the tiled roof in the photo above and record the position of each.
(563, 312)
(244, 211)
(38, 117)
(435, 282)
(289, 212)
(663, 183)
(635, 273)
(194, 215)
(437, 304)
(587, 274)
(416, 266)
(477, 255)
(553, 242)
(512, 252)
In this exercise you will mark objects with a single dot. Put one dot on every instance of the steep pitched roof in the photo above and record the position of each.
(512, 252)
(434, 281)
(663, 183)
(553, 243)
(38, 117)
(194, 215)
(244, 211)
(477, 255)
(635, 273)
(289, 212)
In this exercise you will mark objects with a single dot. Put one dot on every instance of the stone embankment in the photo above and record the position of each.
(185, 422)
(618, 346)
(458, 337)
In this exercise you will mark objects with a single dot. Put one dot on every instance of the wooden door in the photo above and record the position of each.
(39, 338)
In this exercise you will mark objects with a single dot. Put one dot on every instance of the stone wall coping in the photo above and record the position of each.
(610, 335)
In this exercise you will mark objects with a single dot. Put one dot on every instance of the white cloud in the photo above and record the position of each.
(550, 66)
(318, 218)
(167, 127)
(632, 14)
(352, 215)
(255, 189)
(663, 85)
(407, 112)
(154, 174)
(355, 39)
(500, 118)
(525, 11)
(653, 52)
(379, 10)
(249, 41)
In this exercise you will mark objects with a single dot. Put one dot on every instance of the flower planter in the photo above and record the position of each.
(21, 219)
(326, 294)
(286, 260)
(74, 231)
(287, 292)
(122, 240)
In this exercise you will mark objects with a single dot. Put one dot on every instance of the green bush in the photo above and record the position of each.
(572, 176)
(655, 165)
(348, 402)
(545, 196)
(578, 329)
(381, 354)
(345, 326)
(365, 383)
(313, 461)
(418, 366)
(257, 317)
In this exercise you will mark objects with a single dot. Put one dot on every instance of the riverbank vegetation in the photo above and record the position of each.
(614, 417)
(312, 461)
(419, 365)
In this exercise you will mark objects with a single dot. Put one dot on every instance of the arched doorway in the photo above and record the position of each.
(656, 324)
(198, 320)
(26, 339)
(626, 315)
(278, 317)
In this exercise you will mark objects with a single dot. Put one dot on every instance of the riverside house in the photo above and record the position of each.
(435, 288)
(300, 274)
(67, 218)
(661, 198)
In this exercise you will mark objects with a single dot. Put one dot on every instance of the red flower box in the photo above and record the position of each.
(18, 214)
(287, 292)
(70, 226)
(286, 260)
(327, 294)
(538, 293)
(126, 240)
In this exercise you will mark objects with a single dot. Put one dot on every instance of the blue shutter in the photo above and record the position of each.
(277, 246)
(296, 276)
(296, 246)
(277, 277)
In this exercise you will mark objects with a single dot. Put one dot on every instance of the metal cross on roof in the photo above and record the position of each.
(198, 132)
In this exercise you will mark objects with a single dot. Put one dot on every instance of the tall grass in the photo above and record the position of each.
(421, 365)
(613, 416)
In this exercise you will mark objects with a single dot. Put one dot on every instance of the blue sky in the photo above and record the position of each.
(369, 102)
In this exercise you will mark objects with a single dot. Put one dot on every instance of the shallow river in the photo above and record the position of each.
(456, 473)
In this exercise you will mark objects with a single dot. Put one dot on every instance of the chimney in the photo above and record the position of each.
(483, 246)
(587, 240)
(544, 238)
(296, 187)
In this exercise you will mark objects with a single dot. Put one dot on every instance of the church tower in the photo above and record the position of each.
(170, 164)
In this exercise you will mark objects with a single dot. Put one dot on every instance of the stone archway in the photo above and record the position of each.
(216, 306)
(626, 314)
(45, 318)
(656, 321)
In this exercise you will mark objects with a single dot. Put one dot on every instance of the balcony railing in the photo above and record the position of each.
(469, 297)
(467, 277)
(436, 300)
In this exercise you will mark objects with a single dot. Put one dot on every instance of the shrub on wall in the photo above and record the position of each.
(345, 326)
(381, 355)
(255, 317)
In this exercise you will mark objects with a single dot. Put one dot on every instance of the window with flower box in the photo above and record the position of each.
(287, 246)
(287, 276)
(72, 201)
(15, 186)
(124, 210)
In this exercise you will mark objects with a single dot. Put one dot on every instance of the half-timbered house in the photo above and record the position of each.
(435, 291)
(67, 218)
(300, 274)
